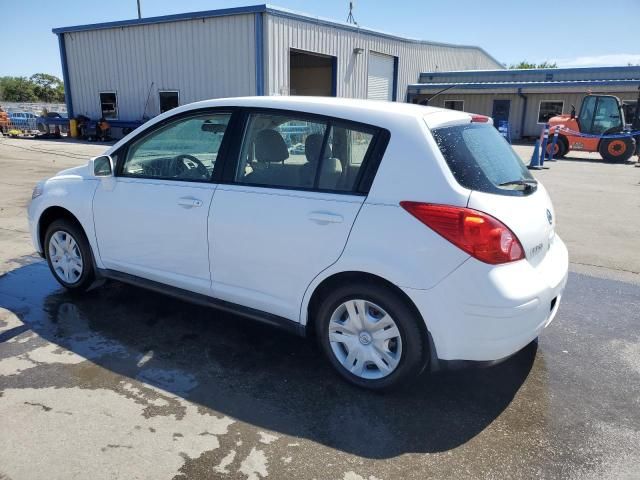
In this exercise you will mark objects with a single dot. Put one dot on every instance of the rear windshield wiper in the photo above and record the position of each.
(527, 184)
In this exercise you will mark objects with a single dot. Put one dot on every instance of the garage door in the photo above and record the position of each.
(380, 77)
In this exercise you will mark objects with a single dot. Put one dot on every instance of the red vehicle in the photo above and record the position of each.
(599, 115)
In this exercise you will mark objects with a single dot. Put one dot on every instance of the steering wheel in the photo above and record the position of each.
(190, 167)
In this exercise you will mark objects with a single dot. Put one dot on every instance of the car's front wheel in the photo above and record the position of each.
(68, 254)
(371, 336)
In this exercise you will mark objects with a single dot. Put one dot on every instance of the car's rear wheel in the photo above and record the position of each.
(371, 336)
(69, 255)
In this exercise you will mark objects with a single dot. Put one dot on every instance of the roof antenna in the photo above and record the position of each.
(139, 10)
(350, 18)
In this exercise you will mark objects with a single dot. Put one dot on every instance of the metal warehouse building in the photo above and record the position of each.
(525, 98)
(131, 70)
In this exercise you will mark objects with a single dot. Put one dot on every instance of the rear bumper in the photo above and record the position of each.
(486, 313)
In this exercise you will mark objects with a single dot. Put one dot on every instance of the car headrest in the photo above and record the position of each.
(270, 147)
(313, 146)
(331, 165)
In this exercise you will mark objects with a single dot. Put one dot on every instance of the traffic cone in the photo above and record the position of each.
(534, 163)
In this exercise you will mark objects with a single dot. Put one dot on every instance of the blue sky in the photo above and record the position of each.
(571, 32)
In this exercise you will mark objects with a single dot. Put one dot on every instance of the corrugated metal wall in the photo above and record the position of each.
(202, 59)
(534, 75)
(482, 103)
(284, 33)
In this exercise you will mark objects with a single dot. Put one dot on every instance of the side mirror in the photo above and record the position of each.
(573, 111)
(101, 166)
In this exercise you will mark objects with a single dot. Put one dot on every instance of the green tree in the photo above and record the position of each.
(17, 89)
(524, 65)
(59, 93)
(46, 87)
(39, 87)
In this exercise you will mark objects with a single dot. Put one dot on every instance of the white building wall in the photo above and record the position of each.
(283, 33)
(203, 58)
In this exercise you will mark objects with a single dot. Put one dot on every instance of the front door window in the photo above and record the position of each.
(183, 150)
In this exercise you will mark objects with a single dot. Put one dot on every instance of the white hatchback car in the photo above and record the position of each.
(401, 235)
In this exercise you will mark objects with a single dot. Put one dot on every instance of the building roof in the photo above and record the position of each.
(631, 71)
(544, 78)
(254, 9)
(493, 85)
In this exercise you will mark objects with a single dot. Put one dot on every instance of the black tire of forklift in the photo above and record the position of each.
(616, 150)
(563, 146)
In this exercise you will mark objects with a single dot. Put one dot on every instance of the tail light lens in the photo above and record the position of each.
(478, 234)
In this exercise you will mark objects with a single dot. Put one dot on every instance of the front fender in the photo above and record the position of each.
(72, 193)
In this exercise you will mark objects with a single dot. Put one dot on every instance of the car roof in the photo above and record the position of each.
(372, 112)
(331, 106)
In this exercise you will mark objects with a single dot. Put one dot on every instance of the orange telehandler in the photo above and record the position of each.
(599, 115)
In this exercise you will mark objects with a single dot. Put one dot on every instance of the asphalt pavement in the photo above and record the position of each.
(126, 383)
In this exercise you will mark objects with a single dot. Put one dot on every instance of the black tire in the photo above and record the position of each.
(87, 276)
(414, 347)
(560, 149)
(614, 150)
(563, 147)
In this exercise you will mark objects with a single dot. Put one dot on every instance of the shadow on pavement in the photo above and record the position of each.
(257, 374)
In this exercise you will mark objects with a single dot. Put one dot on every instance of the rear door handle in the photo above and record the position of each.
(323, 218)
(189, 202)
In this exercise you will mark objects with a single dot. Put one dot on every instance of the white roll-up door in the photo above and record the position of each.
(380, 77)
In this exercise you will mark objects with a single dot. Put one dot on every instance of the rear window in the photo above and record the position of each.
(482, 160)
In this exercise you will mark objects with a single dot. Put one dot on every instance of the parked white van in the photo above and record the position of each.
(399, 236)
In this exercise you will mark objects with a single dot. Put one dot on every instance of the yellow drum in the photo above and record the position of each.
(73, 128)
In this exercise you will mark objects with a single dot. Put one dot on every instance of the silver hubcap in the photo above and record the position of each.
(65, 257)
(365, 339)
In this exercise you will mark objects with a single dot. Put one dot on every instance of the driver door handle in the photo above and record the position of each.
(189, 202)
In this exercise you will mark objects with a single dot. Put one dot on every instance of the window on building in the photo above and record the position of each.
(548, 109)
(168, 99)
(109, 105)
(182, 150)
(454, 105)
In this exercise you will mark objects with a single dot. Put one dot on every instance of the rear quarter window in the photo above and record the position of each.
(481, 159)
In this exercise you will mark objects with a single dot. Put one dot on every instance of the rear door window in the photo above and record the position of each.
(482, 160)
(300, 151)
(280, 150)
(344, 153)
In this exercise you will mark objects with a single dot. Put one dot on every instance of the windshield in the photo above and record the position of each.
(482, 160)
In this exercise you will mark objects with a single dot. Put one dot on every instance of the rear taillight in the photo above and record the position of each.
(475, 118)
(478, 234)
